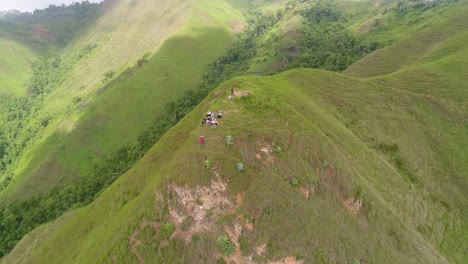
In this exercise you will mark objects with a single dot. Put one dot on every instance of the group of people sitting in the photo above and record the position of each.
(211, 118)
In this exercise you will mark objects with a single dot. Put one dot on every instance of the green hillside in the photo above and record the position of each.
(26, 36)
(15, 70)
(423, 47)
(92, 117)
(307, 166)
(87, 104)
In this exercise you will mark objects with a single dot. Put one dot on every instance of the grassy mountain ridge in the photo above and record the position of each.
(337, 169)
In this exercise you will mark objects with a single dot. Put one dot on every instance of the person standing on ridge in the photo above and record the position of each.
(202, 140)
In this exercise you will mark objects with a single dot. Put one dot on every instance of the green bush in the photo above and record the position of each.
(325, 164)
(240, 166)
(278, 149)
(228, 140)
(208, 164)
(225, 245)
(294, 182)
(166, 230)
(109, 74)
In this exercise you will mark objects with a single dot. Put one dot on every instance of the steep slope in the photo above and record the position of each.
(336, 169)
(91, 117)
(415, 49)
(15, 70)
(27, 36)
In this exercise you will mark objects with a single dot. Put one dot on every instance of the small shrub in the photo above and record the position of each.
(278, 149)
(355, 261)
(228, 140)
(321, 257)
(240, 166)
(141, 62)
(45, 121)
(109, 74)
(225, 245)
(294, 182)
(325, 164)
(166, 230)
(146, 55)
(208, 163)
(77, 99)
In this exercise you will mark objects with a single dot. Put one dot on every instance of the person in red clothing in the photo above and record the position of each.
(202, 140)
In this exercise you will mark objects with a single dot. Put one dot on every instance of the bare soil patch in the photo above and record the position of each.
(202, 205)
(134, 243)
(236, 26)
(265, 153)
(260, 250)
(242, 93)
(305, 192)
(353, 205)
(287, 260)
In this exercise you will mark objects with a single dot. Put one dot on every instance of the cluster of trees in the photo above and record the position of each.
(326, 43)
(62, 22)
(19, 123)
(12, 114)
(19, 218)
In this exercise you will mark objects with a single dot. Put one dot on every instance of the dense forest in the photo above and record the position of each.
(59, 24)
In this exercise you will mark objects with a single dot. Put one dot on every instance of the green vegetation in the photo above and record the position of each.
(18, 113)
(386, 177)
(208, 164)
(294, 182)
(56, 24)
(15, 69)
(25, 215)
(225, 245)
(25, 36)
(240, 166)
(167, 229)
(228, 140)
(75, 113)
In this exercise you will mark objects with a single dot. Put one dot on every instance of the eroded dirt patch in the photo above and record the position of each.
(260, 250)
(305, 192)
(242, 93)
(265, 152)
(135, 242)
(197, 208)
(353, 205)
(287, 260)
(234, 234)
(236, 26)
